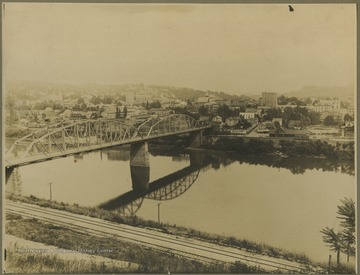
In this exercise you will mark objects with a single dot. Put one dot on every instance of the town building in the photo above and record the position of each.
(158, 111)
(247, 115)
(109, 112)
(290, 133)
(253, 110)
(204, 101)
(232, 121)
(326, 105)
(282, 107)
(269, 99)
(77, 115)
(142, 98)
(210, 101)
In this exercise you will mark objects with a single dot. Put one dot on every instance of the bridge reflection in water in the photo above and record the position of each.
(166, 188)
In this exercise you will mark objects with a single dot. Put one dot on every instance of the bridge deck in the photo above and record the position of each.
(40, 158)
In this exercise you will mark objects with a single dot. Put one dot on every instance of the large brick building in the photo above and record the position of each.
(269, 100)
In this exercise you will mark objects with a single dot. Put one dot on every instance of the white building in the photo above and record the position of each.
(327, 105)
(247, 115)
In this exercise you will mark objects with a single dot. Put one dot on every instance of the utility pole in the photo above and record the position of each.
(50, 191)
(158, 212)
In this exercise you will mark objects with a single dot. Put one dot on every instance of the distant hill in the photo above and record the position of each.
(322, 92)
(192, 94)
(31, 89)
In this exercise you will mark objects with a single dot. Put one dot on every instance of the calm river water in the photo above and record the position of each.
(259, 201)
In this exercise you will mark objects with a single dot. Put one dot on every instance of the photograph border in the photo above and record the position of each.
(357, 97)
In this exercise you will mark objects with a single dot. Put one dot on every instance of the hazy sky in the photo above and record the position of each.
(238, 48)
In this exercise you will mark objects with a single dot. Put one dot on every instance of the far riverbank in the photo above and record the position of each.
(284, 148)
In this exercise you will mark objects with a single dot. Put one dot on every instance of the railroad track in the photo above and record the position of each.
(202, 251)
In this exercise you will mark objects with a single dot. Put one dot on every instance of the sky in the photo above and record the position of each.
(235, 48)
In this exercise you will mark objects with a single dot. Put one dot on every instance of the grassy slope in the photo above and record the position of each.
(149, 260)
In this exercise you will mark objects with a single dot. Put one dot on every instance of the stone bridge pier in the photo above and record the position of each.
(8, 172)
(196, 139)
(140, 166)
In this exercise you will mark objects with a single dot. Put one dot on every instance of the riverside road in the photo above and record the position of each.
(181, 246)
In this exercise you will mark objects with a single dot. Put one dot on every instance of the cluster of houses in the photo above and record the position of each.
(274, 128)
(40, 118)
(132, 105)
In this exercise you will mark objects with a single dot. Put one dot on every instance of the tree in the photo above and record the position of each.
(107, 100)
(308, 101)
(333, 240)
(348, 117)
(10, 106)
(282, 100)
(347, 237)
(57, 106)
(272, 113)
(346, 213)
(147, 106)
(243, 123)
(224, 111)
(204, 111)
(80, 101)
(95, 100)
(34, 117)
(314, 118)
(118, 112)
(155, 104)
(329, 120)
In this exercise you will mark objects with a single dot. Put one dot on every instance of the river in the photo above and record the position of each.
(282, 203)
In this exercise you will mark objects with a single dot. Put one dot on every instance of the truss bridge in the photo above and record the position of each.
(89, 135)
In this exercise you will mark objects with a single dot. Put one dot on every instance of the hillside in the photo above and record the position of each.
(315, 91)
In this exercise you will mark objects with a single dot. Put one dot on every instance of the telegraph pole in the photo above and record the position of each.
(50, 190)
(158, 205)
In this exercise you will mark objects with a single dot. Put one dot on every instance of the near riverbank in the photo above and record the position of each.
(169, 229)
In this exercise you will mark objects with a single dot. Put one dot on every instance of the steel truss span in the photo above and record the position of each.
(174, 189)
(131, 208)
(168, 192)
(88, 135)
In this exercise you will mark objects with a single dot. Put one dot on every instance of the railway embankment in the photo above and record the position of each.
(33, 227)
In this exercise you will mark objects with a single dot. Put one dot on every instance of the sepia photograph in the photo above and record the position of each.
(179, 138)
